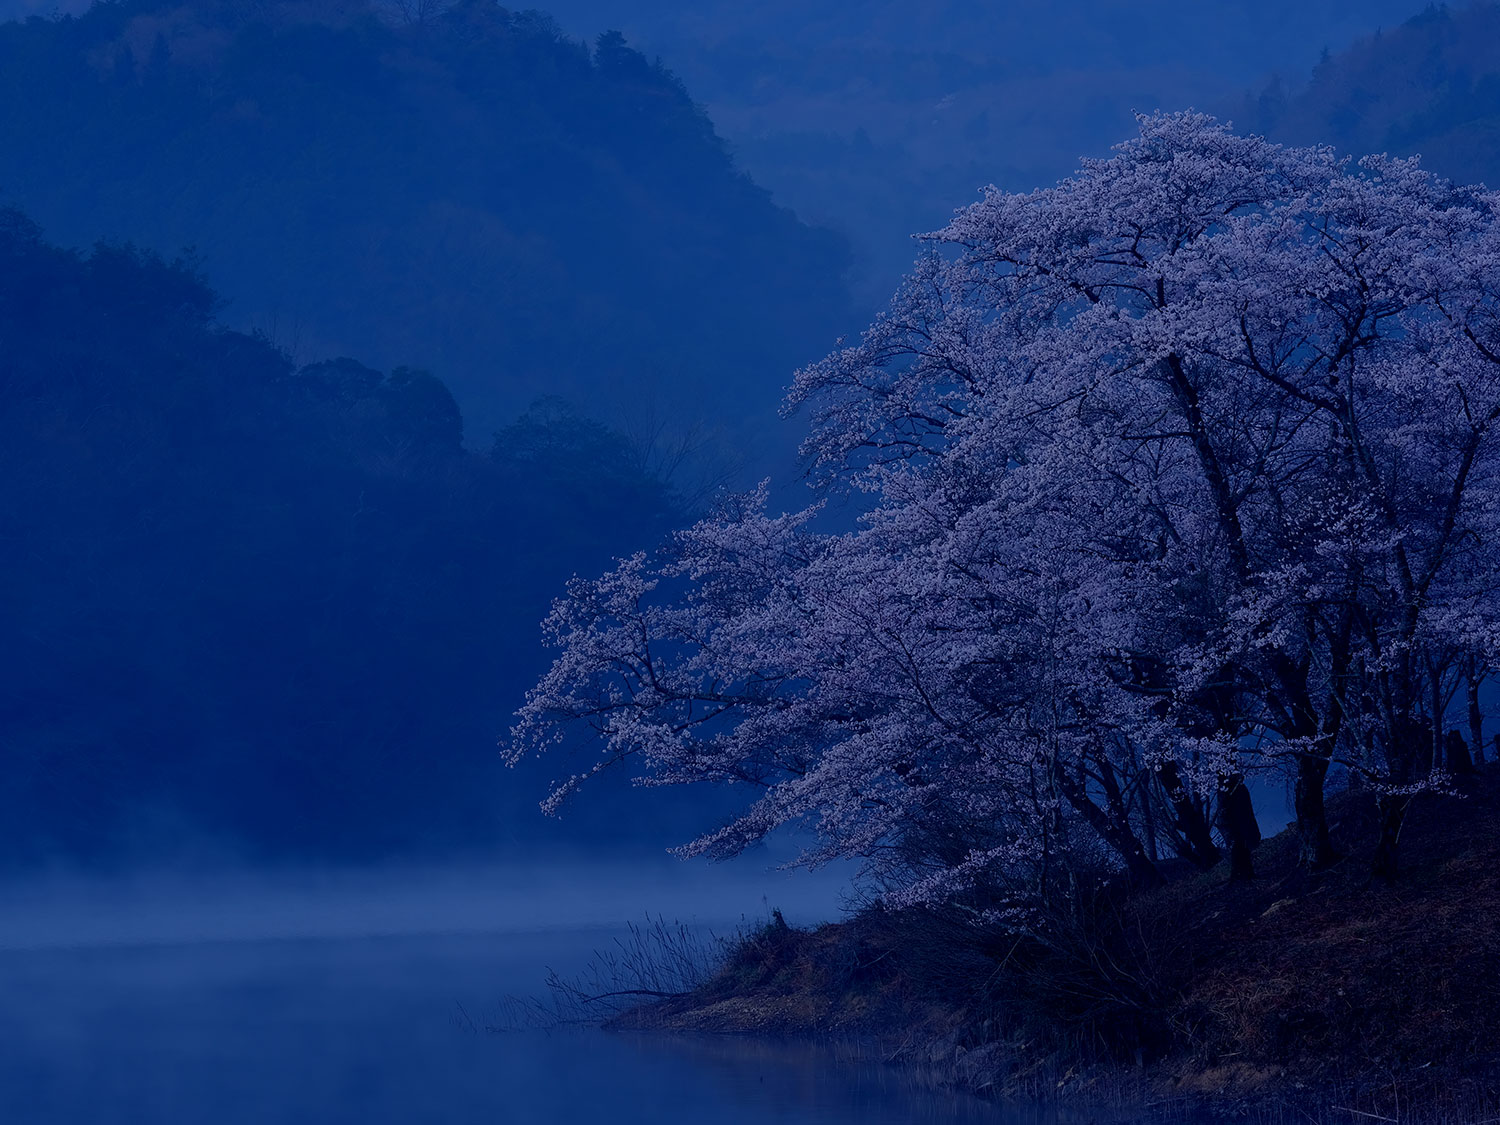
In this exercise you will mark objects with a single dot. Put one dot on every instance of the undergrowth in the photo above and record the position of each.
(1280, 994)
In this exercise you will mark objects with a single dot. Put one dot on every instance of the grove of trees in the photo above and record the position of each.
(1427, 86)
(261, 602)
(258, 611)
(1180, 471)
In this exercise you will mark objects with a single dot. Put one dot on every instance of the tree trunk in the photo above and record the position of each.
(1148, 817)
(1456, 754)
(1241, 829)
(1315, 850)
(1191, 823)
(1387, 849)
(1476, 716)
(1435, 726)
(1142, 873)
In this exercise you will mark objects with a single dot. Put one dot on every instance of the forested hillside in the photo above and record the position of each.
(475, 193)
(880, 118)
(251, 609)
(1428, 87)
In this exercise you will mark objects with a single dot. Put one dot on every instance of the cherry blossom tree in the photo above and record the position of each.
(1183, 468)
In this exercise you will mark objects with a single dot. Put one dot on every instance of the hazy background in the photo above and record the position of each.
(336, 334)
(878, 119)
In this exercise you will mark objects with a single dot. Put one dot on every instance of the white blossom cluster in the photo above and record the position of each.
(1183, 467)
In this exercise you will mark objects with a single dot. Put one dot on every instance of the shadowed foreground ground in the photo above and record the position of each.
(1294, 996)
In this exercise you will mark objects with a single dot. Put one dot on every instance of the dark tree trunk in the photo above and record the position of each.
(1408, 754)
(1456, 754)
(1148, 810)
(1476, 716)
(1435, 727)
(1142, 872)
(1387, 849)
(1191, 823)
(1241, 829)
(1148, 817)
(1315, 850)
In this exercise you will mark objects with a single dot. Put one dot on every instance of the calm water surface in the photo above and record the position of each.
(369, 1031)
(338, 1027)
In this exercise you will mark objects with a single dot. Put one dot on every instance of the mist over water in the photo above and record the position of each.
(369, 996)
(376, 1030)
(72, 911)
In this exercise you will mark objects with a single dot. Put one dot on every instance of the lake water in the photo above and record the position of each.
(156, 1006)
(369, 1031)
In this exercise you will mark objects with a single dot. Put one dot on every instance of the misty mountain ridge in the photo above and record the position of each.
(879, 119)
(264, 612)
(1429, 86)
(476, 194)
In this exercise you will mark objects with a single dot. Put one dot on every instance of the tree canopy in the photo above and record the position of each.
(1184, 468)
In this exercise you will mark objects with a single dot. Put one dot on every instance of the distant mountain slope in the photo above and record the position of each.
(880, 118)
(272, 611)
(1430, 86)
(475, 193)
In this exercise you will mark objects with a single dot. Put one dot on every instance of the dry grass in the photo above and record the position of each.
(1290, 991)
(655, 960)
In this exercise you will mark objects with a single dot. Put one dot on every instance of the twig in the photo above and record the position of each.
(468, 1019)
(634, 992)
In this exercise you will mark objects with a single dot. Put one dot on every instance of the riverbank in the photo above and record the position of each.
(1291, 994)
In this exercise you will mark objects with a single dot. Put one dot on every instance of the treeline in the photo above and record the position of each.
(472, 191)
(877, 121)
(257, 609)
(1428, 87)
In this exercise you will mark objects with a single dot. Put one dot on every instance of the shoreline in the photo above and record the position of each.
(1293, 996)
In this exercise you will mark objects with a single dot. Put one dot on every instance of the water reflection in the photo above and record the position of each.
(367, 1030)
